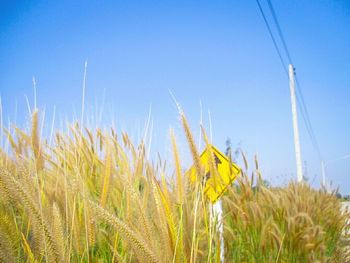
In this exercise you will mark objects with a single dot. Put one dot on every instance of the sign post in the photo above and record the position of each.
(217, 214)
(215, 185)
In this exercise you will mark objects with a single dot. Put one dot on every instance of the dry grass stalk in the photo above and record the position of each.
(89, 197)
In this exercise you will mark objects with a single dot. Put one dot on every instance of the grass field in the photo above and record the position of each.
(92, 196)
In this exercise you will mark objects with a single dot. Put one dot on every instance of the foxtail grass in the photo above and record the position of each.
(94, 196)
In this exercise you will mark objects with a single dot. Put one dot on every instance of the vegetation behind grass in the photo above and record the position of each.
(93, 196)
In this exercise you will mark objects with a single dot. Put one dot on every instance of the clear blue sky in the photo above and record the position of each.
(218, 52)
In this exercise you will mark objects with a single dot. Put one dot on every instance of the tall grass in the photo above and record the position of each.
(92, 196)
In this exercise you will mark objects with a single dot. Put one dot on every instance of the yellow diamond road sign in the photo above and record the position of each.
(216, 181)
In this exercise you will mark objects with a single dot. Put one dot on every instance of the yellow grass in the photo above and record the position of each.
(92, 196)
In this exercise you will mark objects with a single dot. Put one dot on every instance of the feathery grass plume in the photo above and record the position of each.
(6, 161)
(12, 142)
(36, 140)
(30, 206)
(192, 145)
(245, 160)
(178, 170)
(257, 170)
(91, 228)
(8, 239)
(100, 138)
(160, 217)
(143, 220)
(5, 195)
(23, 137)
(90, 136)
(107, 174)
(136, 241)
(22, 141)
(57, 229)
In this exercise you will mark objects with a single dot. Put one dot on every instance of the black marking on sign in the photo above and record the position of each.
(217, 162)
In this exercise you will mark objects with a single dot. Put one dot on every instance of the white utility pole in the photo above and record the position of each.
(218, 218)
(295, 123)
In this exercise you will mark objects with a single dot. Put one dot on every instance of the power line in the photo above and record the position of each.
(312, 135)
(272, 38)
(279, 53)
(279, 31)
(301, 101)
(299, 90)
